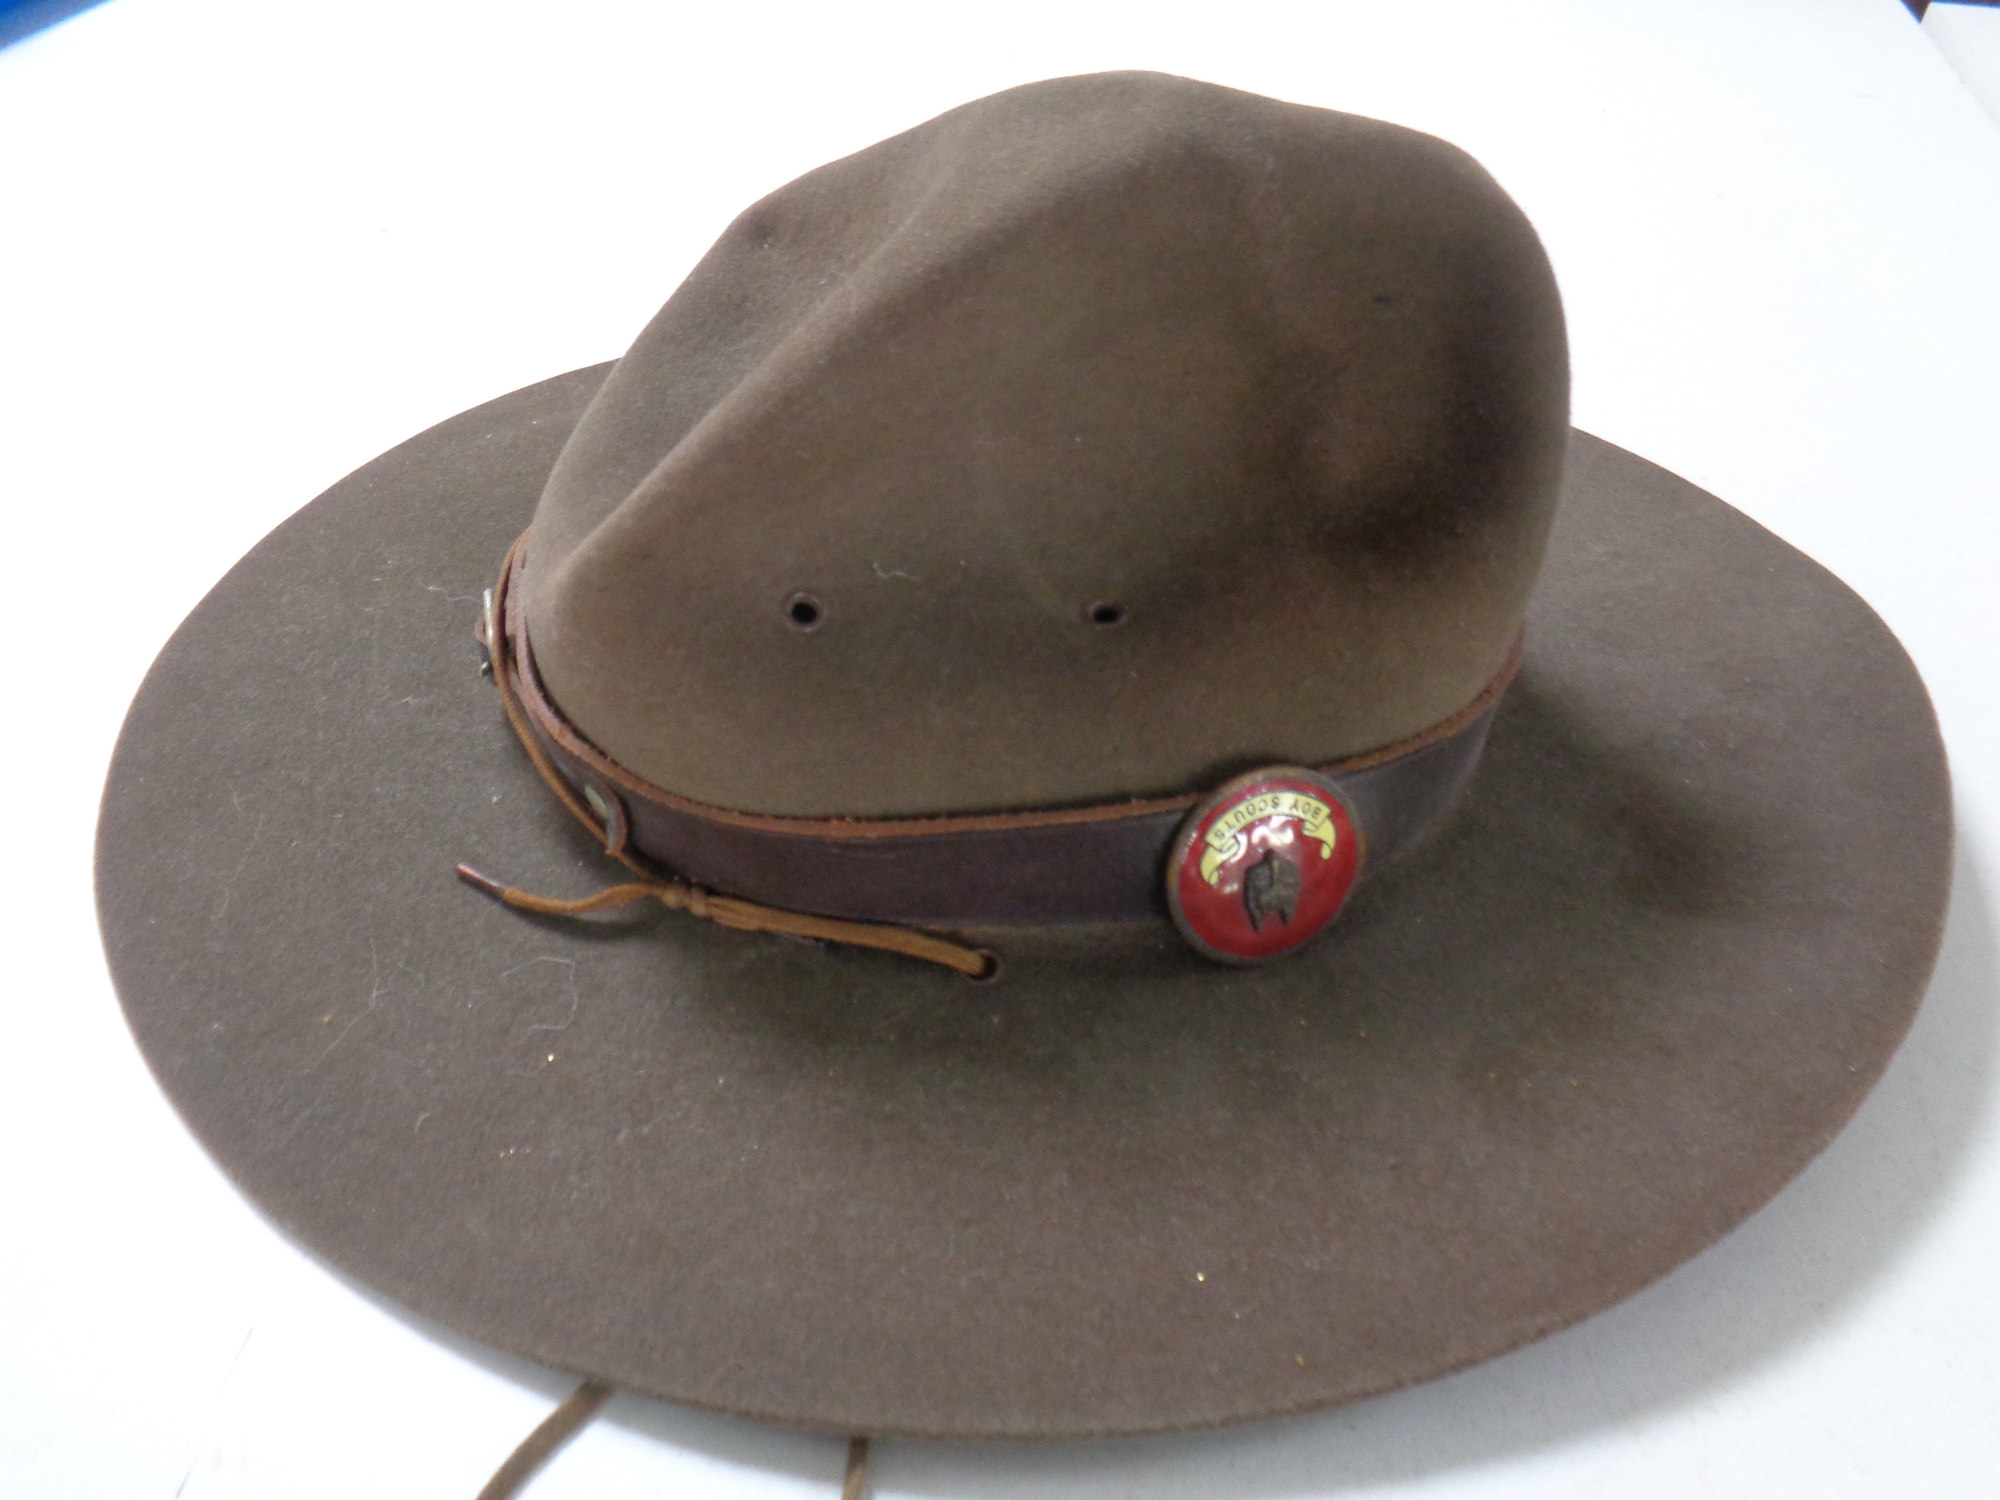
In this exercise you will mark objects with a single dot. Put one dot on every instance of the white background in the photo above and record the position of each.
(246, 246)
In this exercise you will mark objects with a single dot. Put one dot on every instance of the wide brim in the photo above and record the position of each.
(1640, 978)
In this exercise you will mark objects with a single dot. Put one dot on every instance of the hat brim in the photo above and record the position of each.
(1641, 977)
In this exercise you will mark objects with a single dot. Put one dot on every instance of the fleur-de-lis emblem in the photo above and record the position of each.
(1271, 889)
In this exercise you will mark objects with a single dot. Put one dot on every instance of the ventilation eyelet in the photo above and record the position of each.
(804, 612)
(1105, 614)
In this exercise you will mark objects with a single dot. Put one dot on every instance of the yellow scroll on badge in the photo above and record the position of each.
(1226, 835)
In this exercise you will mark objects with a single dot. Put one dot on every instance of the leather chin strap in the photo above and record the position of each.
(868, 881)
(574, 1415)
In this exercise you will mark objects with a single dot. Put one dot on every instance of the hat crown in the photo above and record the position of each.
(1098, 438)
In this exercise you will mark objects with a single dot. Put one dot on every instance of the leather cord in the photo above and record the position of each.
(745, 916)
(678, 895)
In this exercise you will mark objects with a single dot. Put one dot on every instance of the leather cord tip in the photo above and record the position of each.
(479, 882)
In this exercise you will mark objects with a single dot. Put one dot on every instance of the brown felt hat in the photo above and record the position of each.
(986, 524)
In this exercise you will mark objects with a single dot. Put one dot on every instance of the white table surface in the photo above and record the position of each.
(246, 245)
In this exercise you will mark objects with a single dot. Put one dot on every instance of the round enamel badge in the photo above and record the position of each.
(1262, 865)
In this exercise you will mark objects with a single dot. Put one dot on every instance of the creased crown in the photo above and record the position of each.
(1098, 438)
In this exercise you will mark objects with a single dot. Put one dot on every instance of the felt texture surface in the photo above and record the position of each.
(1643, 975)
(1287, 387)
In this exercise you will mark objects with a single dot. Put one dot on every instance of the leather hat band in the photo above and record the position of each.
(1041, 867)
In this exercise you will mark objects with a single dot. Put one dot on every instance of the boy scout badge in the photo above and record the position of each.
(1262, 865)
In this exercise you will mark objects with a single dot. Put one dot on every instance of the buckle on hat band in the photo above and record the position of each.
(1247, 872)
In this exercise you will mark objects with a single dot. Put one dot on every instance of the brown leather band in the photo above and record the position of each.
(1033, 868)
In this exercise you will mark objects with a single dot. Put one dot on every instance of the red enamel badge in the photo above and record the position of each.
(1262, 865)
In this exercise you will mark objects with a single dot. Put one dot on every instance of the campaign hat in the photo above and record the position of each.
(1632, 976)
